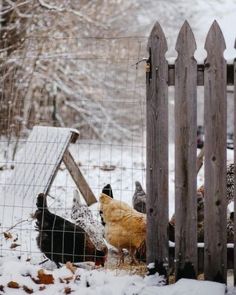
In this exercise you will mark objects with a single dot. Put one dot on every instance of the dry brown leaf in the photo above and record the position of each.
(41, 288)
(7, 235)
(70, 266)
(61, 281)
(13, 285)
(28, 290)
(14, 245)
(67, 290)
(44, 278)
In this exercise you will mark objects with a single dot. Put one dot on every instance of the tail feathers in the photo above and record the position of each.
(107, 190)
(42, 202)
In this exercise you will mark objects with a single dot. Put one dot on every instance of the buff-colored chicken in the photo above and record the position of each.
(125, 228)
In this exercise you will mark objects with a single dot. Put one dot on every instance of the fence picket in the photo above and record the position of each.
(234, 166)
(157, 150)
(215, 258)
(185, 155)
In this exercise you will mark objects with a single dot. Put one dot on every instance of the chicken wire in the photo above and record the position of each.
(95, 85)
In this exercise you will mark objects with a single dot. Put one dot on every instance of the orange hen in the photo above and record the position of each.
(125, 228)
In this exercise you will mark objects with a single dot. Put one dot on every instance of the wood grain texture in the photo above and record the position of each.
(200, 74)
(215, 112)
(79, 178)
(234, 166)
(186, 155)
(157, 149)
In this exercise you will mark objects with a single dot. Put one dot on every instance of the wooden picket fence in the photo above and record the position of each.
(215, 74)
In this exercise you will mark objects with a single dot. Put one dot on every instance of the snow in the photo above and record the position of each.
(97, 281)
(129, 166)
(129, 162)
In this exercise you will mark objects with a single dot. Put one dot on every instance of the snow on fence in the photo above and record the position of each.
(215, 74)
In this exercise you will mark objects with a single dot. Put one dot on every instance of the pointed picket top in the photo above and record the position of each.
(215, 39)
(186, 43)
(157, 34)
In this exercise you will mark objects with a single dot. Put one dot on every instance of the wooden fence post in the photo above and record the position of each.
(157, 150)
(215, 254)
(234, 167)
(186, 155)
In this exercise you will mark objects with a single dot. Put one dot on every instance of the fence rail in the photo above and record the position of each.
(186, 75)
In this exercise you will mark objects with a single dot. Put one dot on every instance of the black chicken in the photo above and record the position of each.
(139, 198)
(61, 240)
(108, 191)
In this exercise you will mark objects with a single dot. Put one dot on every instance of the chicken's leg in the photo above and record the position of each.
(121, 256)
(132, 253)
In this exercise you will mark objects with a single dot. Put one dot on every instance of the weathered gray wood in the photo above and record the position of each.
(79, 178)
(157, 149)
(234, 167)
(186, 155)
(200, 74)
(215, 156)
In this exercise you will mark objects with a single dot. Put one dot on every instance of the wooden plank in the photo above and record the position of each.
(215, 112)
(200, 74)
(234, 166)
(186, 155)
(157, 150)
(79, 178)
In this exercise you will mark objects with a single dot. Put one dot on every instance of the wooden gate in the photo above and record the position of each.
(215, 74)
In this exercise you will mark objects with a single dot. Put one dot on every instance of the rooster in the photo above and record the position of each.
(125, 228)
(61, 240)
(83, 217)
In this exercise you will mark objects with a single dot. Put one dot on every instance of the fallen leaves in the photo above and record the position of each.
(67, 290)
(44, 278)
(41, 288)
(13, 285)
(7, 235)
(28, 290)
(14, 245)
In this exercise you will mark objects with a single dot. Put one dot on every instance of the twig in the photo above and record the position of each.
(139, 61)
(10, 228)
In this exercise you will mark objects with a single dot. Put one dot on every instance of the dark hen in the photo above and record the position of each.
(61, 240)
(139, 198)
(107, 190)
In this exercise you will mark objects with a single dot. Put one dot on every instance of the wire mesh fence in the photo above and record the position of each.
(95, 85)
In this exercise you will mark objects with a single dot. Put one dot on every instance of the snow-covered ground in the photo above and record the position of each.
(27, 278)
(119, 165)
